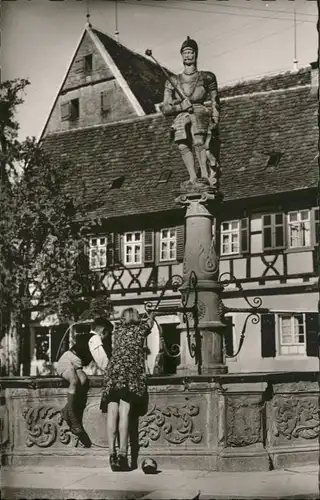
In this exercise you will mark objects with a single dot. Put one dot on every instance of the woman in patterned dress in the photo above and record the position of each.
(125, 381)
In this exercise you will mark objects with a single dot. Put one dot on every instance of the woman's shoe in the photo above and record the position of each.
(113, 460)
(123, 463)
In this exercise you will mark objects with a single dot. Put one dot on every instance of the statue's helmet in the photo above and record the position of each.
(189, 44)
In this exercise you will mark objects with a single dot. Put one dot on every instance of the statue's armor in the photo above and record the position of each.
(197, 88)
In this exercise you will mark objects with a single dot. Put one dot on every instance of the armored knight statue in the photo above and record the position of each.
(196, 123)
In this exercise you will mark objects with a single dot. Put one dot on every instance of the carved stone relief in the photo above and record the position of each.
(175, 424)
(295, 417)
(45, 427)
(244, 424)
(201, 309)
(208, 261)
(202, 260)
(299, 386)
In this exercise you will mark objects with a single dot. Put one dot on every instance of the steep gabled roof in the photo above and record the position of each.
(62, 85)
(141, 79)
(144, 77)
(252, 127)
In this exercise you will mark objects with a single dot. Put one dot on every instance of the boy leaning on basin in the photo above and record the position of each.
(119, 350)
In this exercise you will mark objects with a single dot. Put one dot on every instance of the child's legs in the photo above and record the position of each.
(83, 379)
(81, 393)
(124, 409)
(71, 376)
(112, 424)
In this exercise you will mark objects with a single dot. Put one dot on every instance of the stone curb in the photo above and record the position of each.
(15, 493)
(306, 496)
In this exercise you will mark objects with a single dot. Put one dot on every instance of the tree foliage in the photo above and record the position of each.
(43, 262)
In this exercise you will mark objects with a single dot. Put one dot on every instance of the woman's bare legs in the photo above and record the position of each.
(124, 409)
(112, 425)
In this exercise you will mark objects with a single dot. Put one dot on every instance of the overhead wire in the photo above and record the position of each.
(255, 40)
(214, 12)
(232, 31)
(241, 7)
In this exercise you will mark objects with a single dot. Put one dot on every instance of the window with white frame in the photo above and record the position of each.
(292, 333)
(230, 237)
(132, 248)
(98, 252)
(299, 229)
(316, 225)
(168, 244)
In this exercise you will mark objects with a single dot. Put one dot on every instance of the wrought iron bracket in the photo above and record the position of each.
(254, 310)
(175, 283)
(189, 291)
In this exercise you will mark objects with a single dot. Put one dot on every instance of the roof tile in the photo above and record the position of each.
(251, 128)
(144, 77)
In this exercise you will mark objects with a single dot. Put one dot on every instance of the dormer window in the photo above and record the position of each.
(274, 159)
(118, 182)
(88, 63)
(164, 176)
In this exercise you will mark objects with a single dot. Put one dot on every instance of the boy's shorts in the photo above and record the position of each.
(68, 360)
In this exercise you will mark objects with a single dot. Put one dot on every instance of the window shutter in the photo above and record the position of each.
(65, 111)
(117, 249)
(244, 235)
(267, 232)
(180, 242)
(148, 247)
(228, 335)
(268, 336)
(110, 249)
(79, 65)
(86, 249)
(312, 331)
(104, 102)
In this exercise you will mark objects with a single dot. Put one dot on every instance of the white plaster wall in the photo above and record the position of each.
(249, 358)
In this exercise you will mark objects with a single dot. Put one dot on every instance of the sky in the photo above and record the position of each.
(238, 39)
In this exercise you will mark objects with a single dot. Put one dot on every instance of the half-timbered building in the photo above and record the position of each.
(106, 121)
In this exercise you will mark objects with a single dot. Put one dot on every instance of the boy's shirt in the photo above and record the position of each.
(98, 351)
(90, 347)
